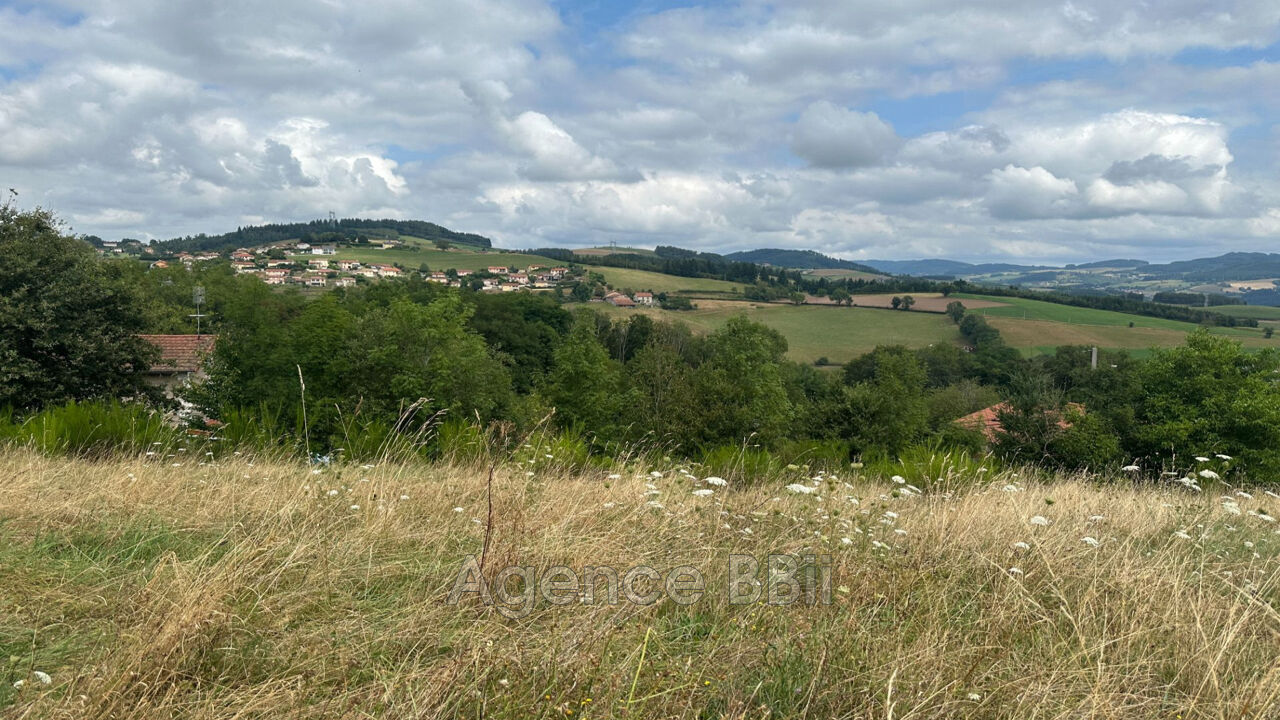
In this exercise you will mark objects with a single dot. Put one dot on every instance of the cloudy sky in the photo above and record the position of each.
(1012, 129)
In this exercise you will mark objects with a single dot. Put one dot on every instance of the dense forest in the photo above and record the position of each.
(348, 229)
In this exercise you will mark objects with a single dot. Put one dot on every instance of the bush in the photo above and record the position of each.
(93, 430)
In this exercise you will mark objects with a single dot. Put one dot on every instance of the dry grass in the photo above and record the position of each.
(243, 589)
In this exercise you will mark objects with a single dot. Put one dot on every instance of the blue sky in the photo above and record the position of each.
(1008, 130)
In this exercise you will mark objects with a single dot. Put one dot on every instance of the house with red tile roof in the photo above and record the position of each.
(181, 360)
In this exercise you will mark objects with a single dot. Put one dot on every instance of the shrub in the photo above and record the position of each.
(92, 429)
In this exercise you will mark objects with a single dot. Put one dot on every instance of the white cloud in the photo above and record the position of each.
(1020, 193)
(834, 137)
(747, 125)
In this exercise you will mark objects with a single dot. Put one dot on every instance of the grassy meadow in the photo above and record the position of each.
(1037, 327)
(255, 587)
(415, 253)
(639, 280)
(813, 331)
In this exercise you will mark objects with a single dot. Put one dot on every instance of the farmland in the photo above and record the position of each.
(415, 253)
(842, 333)
(839, 334)
(658, 282)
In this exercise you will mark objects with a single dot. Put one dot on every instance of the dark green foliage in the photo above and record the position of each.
(525, 328)
(68, 321)
(93, 429)
(345, 230)
(1210, 396)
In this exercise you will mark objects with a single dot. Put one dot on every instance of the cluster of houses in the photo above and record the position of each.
(618, 299)
(324, 270)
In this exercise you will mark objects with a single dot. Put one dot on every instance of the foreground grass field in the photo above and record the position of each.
(173, 588)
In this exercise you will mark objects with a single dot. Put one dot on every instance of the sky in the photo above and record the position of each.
(1013, 130)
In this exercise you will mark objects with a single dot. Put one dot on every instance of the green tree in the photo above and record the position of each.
(1210, 395)
(955, 311)
(68, 321)
(886, 407)
(739, 386)
(907, 302)
(585, 386)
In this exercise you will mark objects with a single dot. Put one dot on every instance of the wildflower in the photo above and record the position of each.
(42, 677)
(1201, 459)
(891, 514)
(1130, 468)
(704, 492)
(332, 493)
(1090, 541)
(717, 481)
(975, 697)
(1220, 456)
(355, 507)
(656, 504)
(1040, 520)
(1016, 571)
(1181, 534)
(651, 493)
(801, 489)
(846, 541)
(18, 685)
(404, 497)
(655, 474)
(1022, 545)
(899, 479)
(1231, 507)
(610, 504)
(457, 509)
(504, 682)
(1265, 517)
(1208, 474)
(614, 476)
(899, 531)
(1096, 518)
(1010, 488)
(879, 545)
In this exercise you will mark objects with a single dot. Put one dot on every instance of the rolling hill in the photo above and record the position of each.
(799, 259)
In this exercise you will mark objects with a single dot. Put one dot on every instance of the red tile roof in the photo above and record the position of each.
(180, 353)
(987, 420)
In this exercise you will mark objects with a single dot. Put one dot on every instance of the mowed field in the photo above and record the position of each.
(414, 255)
(843, 333)
(840, 273)
(1038, 327)
(1257, 312)
(639, 280)
(837, 333)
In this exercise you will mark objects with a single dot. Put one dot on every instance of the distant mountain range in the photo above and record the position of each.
(1231, 266)
(939, 266)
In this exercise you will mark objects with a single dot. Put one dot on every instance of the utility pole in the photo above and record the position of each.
(1093, 358)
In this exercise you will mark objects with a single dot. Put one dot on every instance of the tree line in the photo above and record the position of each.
(381, 358)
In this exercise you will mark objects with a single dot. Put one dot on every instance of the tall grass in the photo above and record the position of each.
(238, 587)
(91, 429)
